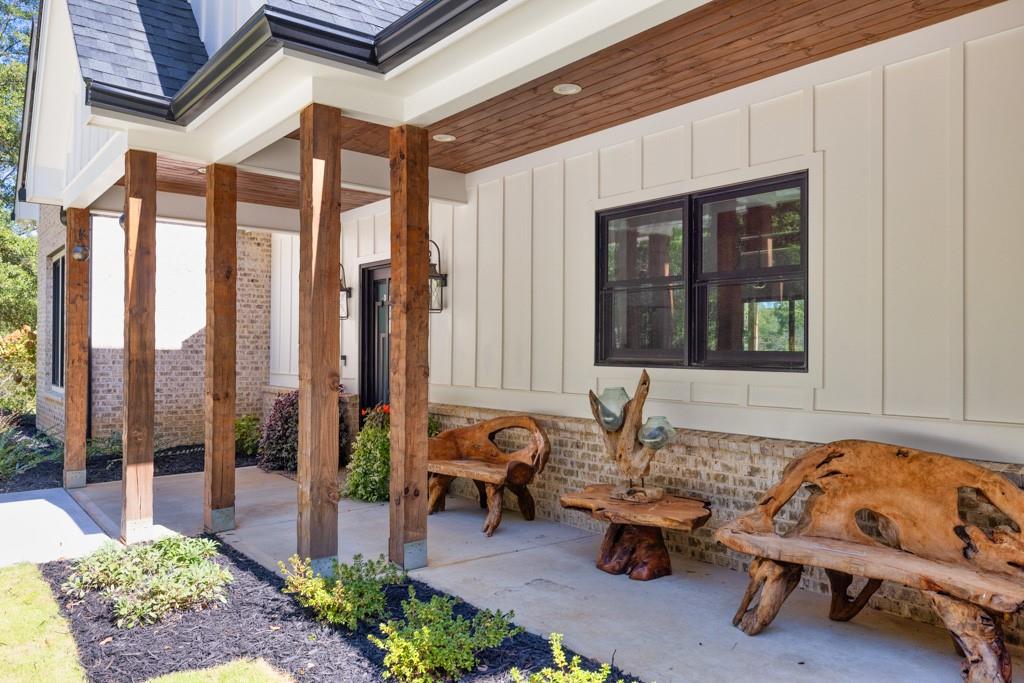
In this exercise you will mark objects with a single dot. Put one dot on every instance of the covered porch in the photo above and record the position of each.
(669, 630)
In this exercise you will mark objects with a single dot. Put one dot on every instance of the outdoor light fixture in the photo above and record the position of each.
(444, 137)
(121, 221)
(438, 281)
(63, 216)
(567, 89)
(346, 294)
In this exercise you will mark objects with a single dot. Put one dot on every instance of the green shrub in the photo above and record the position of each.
(18, 371)
(369, 473)
(354, 594)
(564, 671)
(279, 438)
(106, 446)
(144, 583)
(432, 644)
(18, 452)
(247, 435)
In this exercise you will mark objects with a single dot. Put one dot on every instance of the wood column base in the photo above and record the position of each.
(635, 550)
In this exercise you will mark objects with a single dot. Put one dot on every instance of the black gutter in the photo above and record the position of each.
(426, 25)
(272, 29)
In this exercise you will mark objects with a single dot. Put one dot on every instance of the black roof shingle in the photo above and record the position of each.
(149, 46)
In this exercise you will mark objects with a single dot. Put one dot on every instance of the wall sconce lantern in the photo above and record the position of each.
(346, 294)
(438, 281)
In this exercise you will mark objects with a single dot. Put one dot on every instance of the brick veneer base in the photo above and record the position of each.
(730, 471)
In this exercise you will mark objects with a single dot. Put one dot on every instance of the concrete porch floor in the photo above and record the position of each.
(670, 630)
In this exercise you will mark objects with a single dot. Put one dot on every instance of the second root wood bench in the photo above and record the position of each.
(634, 543)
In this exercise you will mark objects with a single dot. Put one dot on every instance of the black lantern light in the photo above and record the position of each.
(438, 281)
(346, 294)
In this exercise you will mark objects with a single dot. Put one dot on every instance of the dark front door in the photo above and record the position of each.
(375, 320)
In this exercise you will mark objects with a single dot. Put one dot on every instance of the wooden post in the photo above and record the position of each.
(319, 342)
(139, 344)
(407, 545)
(76, 331)
(221, 277)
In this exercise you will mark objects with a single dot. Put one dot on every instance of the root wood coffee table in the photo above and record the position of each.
(634, 543)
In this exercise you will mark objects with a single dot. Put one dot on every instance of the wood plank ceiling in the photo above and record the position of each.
(716, 47)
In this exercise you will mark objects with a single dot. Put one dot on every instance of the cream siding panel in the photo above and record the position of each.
(717, 143)
(843, 131)
(350, 327)
(994, 162)
(284, 307)
(780, 397)
(441, 323)
(707, 392)
(580, 192)
(489, 315)
(666, 157)
(462, 286)
(917, 288)
(518, 275)
(620, 168)
(365, 227)
(776, 128)
(382, 233)
(548, 275)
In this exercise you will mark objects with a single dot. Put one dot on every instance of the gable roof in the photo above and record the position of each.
(149, 46)
(365, 16)
(146, 57)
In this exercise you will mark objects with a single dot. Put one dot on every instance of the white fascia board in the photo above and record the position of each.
(102, 171)
(359, 171)
(183, 208)
(541, 48)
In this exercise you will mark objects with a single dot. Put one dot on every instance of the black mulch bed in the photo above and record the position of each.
(258, 622)
(107, 467)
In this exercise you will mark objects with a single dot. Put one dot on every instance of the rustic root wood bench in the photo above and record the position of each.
(470, 452)
(920, 539)
(634, 543)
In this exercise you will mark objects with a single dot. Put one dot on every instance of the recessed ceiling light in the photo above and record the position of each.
(567, 89)
(444, 137)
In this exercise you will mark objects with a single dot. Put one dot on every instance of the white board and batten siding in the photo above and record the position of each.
(915, 156)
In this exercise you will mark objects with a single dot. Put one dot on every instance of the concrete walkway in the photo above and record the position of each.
(671, 630)
(45, 525)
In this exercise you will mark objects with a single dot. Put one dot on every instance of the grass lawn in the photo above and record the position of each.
(36, 645)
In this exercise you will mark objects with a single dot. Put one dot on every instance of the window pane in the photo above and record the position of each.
(647, 322)
(759, 317)
(753, 231)
(649, 245)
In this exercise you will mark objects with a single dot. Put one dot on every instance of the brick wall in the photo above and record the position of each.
(730, 471)
(179, 372)
(49, 401)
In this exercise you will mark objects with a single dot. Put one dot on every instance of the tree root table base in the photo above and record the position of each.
(633, 543)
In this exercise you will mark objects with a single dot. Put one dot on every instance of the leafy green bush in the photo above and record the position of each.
(106, 446)
(354, 594)
(564, 671)
(19, 453)
(369, 473)
(432, 644)
(144, 583)
(247, 435)
(279, 440)
(18, 371)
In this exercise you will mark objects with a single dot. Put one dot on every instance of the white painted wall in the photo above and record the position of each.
(219, 19)
(916, 158)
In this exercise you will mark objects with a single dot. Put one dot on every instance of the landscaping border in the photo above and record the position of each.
(258, 621)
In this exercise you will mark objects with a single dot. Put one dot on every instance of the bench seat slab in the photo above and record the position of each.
(987, 589)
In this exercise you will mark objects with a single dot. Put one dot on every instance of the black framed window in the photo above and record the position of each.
(715, 279)
(57, 321)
